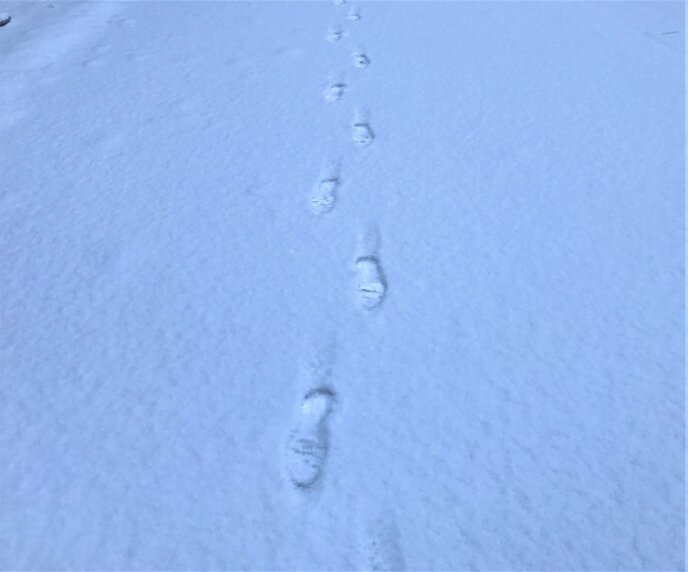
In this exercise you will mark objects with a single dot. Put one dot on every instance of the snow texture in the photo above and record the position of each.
(196, 219)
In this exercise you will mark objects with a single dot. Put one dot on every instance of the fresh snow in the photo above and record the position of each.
(342, 285)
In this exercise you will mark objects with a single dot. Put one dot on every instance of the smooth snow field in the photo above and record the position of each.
(342, 286)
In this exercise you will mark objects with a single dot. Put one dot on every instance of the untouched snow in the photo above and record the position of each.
(200, 200)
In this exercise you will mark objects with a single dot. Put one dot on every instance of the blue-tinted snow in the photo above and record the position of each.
(169, 295)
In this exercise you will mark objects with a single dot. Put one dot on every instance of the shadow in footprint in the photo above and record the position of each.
(361, 59)
(334, 34)
(334, 92)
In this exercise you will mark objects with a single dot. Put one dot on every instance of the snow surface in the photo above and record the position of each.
(515, 402)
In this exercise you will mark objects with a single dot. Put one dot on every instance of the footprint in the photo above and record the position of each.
(334, 34)
(361, 59)
(362, 133)
(354, 15)
(307, 446)
(370, 281)
(335, 92)
(324, 196)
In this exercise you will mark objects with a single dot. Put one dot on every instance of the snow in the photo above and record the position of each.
(183, 218)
